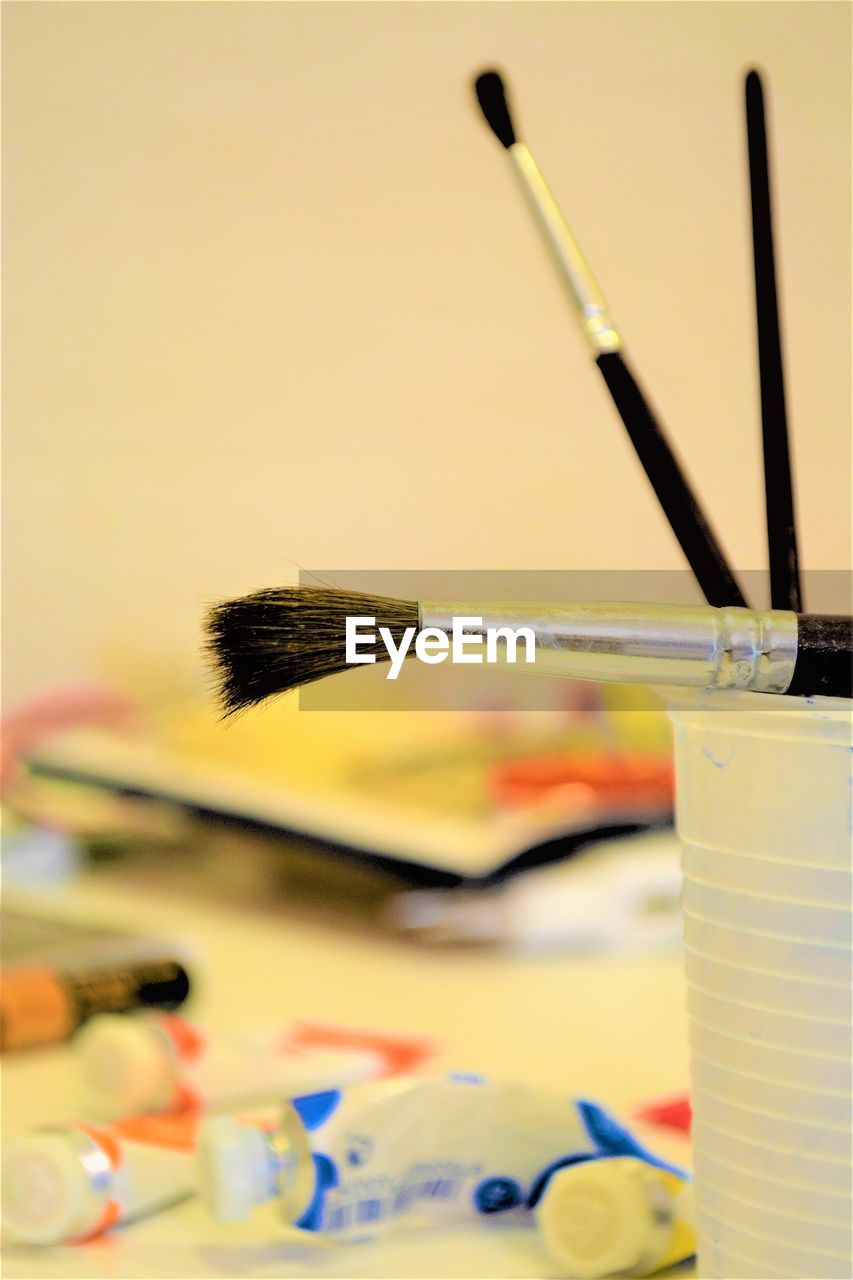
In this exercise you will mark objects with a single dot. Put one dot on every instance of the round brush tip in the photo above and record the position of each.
(754, 84)
(491, 95)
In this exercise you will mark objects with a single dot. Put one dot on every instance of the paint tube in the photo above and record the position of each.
(70, 1183)
(351, 1165)
(128, 1064)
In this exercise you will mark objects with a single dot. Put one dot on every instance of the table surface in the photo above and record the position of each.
(609, 1027)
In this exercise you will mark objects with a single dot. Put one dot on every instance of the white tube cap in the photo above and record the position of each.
(599, 1219)
(233, 1168)
(47, 1193)
(125, 1064)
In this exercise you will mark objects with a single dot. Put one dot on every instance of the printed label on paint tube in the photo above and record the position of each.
(446, 1149)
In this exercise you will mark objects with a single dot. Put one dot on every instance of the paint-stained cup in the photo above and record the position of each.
(763, 797)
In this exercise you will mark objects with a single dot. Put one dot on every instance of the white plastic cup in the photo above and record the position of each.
(829, 1144)
(765, 1062)
(789, 1197)
(770, 991)
(749, 1253)
(817, 1106)
(771, 1165)
(825, 966)
(764, 816)
(792, 1231)
(822, 1037)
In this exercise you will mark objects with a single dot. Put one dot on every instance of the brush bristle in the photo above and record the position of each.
(491, 95)
(278, 639)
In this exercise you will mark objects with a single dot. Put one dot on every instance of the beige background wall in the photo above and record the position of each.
(272, 300)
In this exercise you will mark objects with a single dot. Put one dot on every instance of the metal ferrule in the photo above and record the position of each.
(92, 1157)
(694, 646)
(292, 1171)
(598, 328)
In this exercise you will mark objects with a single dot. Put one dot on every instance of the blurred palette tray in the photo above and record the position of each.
(411, 793)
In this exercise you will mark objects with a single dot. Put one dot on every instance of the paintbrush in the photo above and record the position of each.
(666, 476)
(785, 590)
(271, 641)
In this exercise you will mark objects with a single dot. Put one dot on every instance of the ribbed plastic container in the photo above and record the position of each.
(764, 815)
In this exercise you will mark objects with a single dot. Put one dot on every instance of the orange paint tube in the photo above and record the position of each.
(70, 1183)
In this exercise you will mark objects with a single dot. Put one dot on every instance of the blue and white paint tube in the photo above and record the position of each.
(430, 1151)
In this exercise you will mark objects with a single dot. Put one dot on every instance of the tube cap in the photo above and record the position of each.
(598, 1219)
(35, 1008)
(47, 1193)
(233, 1168)
(126, 1066)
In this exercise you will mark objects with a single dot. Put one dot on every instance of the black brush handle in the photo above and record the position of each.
(680, 505)
(785, 588)
(824, 656)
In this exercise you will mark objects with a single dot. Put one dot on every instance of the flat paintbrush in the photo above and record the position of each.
(666, 476)
(271, 641)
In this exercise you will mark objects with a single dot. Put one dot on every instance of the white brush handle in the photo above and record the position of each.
(598, 328)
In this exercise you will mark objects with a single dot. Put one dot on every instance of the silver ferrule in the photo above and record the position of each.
(694, 646)
(599, 330)
(291, 1170)
(91, 1155)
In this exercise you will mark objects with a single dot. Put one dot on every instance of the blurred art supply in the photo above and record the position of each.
(632, 780)
(668, 1113)
(95, 819)
(616, 1216)
(58, 971)
(278, 639)
(615, 895)
(785, 589)
(52, 826)
(680, 505)
(72, 1182)
(34, 856)
(430, 1152)
(133, 1063)
(48, 714)
(414, 795)
(765, 821)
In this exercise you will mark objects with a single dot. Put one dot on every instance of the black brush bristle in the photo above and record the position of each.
(491, 95)
(271, 641)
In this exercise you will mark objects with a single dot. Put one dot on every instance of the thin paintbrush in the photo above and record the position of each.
(785, 590)
(679, 503)
(271, 641)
